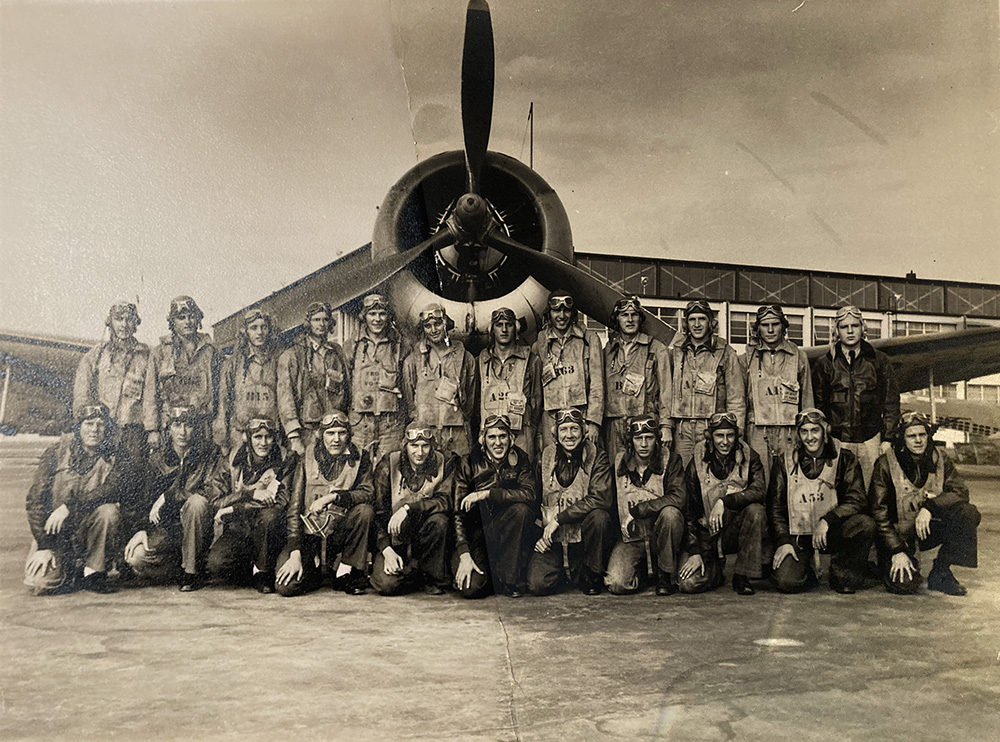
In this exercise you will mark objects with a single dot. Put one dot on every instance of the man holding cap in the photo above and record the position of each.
(439, 382)
(817, 502)
(251, 508)
(73, 509)
(413, 489)
(249, 386)
(186, 477)
(330, 511)
(725, 510)
(651, 503)
(496, 506)
(313, 378)
(183, 371)
(855, 386)
(919, 501)
(779, 385)
(577, 496)
(377, 414)
(707, 379)
(510, 381)
(572, 367)
(637, 376)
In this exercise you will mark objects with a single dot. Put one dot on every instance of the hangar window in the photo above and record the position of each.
(696, 282)
(837, 291)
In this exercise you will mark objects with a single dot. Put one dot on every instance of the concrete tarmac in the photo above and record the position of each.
(229, 664)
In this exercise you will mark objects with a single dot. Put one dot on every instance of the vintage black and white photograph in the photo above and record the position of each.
(499, 370)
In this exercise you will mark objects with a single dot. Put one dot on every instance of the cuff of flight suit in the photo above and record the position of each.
(462, 548)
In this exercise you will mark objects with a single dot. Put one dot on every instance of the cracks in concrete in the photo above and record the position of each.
(511, 705)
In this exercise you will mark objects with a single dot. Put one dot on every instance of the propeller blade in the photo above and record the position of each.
(477, 88)
(364, 279)
(594, 297)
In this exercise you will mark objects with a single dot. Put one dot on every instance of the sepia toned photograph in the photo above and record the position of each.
(499, 370)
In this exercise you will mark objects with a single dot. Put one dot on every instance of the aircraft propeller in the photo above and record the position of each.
(470, 226)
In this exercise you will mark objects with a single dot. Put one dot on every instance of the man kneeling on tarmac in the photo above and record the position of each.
(817, 501)
(650, 511)
(251, 508)
(330, 512)
(186, 477)
(577, 494)
(73, 509)
(725, 511)
(496, 505)
(413, 488)
(919, 501)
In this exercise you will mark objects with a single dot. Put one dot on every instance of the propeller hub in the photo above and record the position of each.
(472, 216)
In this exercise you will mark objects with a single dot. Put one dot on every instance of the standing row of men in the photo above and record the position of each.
(581, 419)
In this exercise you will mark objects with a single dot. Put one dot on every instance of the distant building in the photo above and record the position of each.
(36, 382)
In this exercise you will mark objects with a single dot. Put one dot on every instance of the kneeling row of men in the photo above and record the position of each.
(492, 522)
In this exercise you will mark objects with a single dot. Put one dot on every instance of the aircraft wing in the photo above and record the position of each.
(952, 356)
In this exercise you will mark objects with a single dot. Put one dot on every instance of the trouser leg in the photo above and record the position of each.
(159, 559)
(430, 543)
(312, 576)
(668, 535)
(867, 453)
(352, 536)
(688, 432)
(525, 440)
(743, 535)
(598, 539)
(97, 534)
(613, 433)
(229, 555)
(849, 543)
(625, 566)
(510, 534)
(480, 585)
(51, 579)
(389, 428)
(268, 537)
(384, 583)
(901, 585)
(955, 529)
(545, 570)
(196, 533)
(792, 575)
(703, 582)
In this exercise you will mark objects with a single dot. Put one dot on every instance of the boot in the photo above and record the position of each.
(665, 584)
(742, 586)
(942, 580)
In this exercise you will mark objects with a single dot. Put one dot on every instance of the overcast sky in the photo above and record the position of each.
(225, 149)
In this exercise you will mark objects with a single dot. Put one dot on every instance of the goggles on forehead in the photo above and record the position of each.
(570, 415)
(261, 423)
(720, 418)
(645, 424)
(420, 434)
(502, 313)
(91, 411)
(335, 419)
(811, 415)
(629, 302)
(434, 314)
(561, 302)
(497, 421)
(372, 301)
(914, 418)
(178, 414)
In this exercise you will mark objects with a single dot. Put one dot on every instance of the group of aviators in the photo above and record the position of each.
(399, 465)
